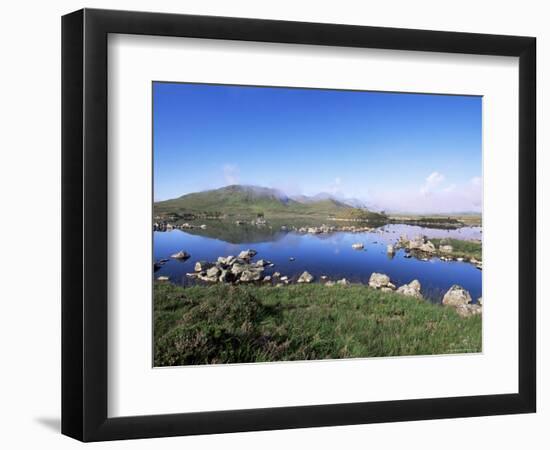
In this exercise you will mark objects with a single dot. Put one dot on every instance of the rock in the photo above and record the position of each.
(420, 243)
(203, 227)
(156, 266)
(276, 275)
(379, 280)
(267, 279)
(343, 282)
(285, 278)
(386, 289)
(416, 243)
(247, 254)
(292, 258)
(411, 290)
(456, 296)
(262, 263)
(306, 277)
(180, 255)
(427, 247)
(407, 255)
(224, 260)
(250, 275)
(202, 276)
(357, 246)
(192, 275)
(390, 250)
(479, 301)
(403, 241)
(330, 283)
(202, 265)
(446, 248)
(163, 278)
(226, 276)
(468, 310)
(460, 259)
(323, 277)
(213, 273)
(238, 268)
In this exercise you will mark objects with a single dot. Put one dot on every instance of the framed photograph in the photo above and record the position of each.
(273, 224)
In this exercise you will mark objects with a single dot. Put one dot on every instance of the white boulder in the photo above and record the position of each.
(456, 296)
(306, 277)
(411, 290)
(380, 280)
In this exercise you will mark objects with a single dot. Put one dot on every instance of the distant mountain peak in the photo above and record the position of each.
(254, 191)
(240, 200)
(324, 196)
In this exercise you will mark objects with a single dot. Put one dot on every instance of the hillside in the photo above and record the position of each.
(250, 201)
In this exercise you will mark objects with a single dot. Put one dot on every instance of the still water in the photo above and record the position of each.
(331, 255)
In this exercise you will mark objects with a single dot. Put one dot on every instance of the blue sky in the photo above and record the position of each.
(394, 151)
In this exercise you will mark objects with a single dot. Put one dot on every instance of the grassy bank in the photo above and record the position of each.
(436, 220)
(461, 249)
(238, 324)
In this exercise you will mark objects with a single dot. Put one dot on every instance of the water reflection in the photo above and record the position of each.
(324, 254)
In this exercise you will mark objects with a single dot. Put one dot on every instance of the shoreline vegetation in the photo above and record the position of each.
(250, 323)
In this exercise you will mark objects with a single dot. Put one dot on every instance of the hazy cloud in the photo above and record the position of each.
(476, 181)
(336, 186)
(432, 197)
(432, 181)
(231, 173)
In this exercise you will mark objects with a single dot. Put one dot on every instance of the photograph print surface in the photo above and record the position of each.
(294, 224)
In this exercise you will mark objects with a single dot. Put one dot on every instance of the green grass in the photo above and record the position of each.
(461, 249)
(438, 219)
(240, 324)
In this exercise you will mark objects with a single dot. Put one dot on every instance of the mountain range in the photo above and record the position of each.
(250, 201)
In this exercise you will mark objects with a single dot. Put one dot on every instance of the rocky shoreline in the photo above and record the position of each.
(168, 226)
(241, 269)
(419, 247)
(423, 249)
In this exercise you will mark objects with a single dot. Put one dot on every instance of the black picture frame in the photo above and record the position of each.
(84, 224)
